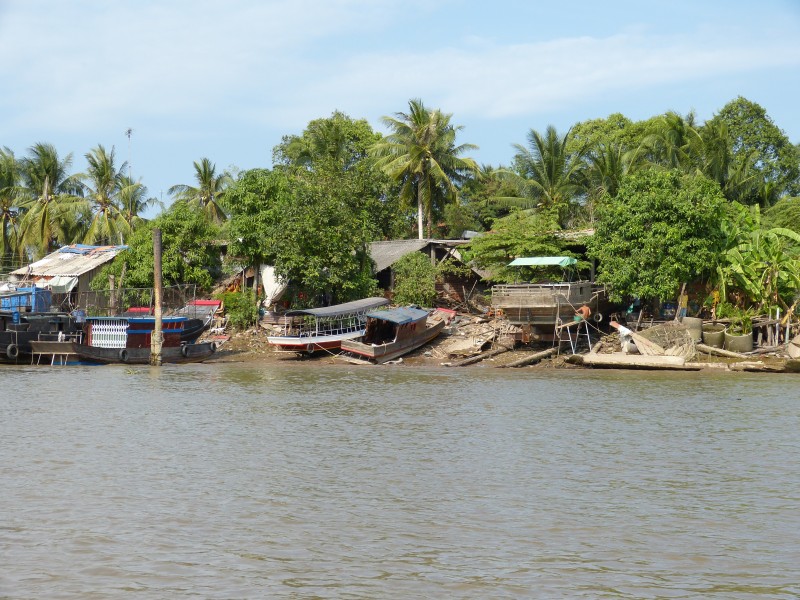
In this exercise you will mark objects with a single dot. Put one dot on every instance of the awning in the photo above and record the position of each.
(400, 316)
(357, 306)
(543, 261)
(62, 284)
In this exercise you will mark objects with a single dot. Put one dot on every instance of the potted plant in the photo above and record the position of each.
(739, 336)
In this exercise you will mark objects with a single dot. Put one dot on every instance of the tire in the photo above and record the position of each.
(598, 317)
(310, 348)
(12, 351)
(123, 355)
(185, 351)
(213, 347)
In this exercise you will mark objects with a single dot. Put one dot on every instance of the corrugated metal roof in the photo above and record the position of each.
(73, 261)
(385, 254)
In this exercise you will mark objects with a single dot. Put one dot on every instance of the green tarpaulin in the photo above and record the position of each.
(543, 261)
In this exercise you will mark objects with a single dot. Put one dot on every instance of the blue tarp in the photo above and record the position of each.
(400, 315)
(33, 298)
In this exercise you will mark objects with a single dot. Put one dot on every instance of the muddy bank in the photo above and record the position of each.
(251, 346)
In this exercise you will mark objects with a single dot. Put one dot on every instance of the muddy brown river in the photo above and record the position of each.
(329, 481)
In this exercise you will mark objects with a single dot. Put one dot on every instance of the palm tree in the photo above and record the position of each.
(324, 139)
(607, 166)
(209, 194)
(546, 174)
(674, 142)
(51, 190)
(103, 183)
(421, 154)
(133, 202)
(12, 203)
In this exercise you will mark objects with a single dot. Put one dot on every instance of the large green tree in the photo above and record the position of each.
(339, 146)
(337, 140)
(421, 154)
(758, 141)
(521, 233)
(189, 251)
(133, 202)
(313, 226)
(662, 229)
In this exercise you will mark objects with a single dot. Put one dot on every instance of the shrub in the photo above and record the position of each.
(415, 280)
(241, 308)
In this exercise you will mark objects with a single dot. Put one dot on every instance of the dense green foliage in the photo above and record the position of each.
(522, 233)
(653, 190)
(241, 308)
(415, 280)
(661, 230)
(314, 232)
(547, 174)
(189, 253)
(785, 213)
(314, 215)
(759, 266)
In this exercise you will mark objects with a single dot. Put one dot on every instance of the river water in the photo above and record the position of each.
(330, 481)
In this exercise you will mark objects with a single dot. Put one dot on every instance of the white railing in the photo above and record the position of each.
(109, 333)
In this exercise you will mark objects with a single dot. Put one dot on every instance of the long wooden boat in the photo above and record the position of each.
(128, 340)
(184, 353)
(393, 332)
(313, 329)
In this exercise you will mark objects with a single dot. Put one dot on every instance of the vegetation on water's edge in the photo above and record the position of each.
(671, 201)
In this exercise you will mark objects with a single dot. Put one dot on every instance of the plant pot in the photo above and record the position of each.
(714, 335)
(694, 326)
(739, 343)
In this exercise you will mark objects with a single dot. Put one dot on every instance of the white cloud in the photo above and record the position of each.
(281, 63)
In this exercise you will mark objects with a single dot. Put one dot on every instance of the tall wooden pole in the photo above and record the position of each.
(157, 337)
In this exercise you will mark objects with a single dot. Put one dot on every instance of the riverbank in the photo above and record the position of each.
(251, 347)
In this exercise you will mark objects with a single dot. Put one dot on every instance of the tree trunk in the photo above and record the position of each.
(419, 210)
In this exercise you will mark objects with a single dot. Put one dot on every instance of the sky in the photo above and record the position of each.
(227, 80)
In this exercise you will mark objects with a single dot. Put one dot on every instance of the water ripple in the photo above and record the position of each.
(318, 481)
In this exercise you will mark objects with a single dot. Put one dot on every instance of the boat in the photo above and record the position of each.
(128, 339)
(393, 332)
(793, 347)
(312, 329)
(539, 309)
(199, 316)
(26, 316)
(18, 330)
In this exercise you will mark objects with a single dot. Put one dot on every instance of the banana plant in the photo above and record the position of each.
(764, 267)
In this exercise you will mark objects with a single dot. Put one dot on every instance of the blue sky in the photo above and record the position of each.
(226, 80)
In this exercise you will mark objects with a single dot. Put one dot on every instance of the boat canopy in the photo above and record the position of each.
(543, 261)
(337, 310)
(400, 315)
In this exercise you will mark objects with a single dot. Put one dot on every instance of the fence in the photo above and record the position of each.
(175, 299)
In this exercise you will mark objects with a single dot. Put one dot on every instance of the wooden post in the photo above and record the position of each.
(112, 300)
(156, 338)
